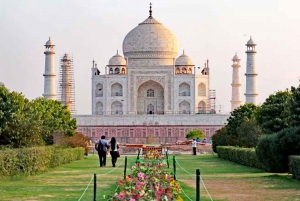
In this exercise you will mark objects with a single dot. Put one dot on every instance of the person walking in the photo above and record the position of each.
(114, 151)
(102, 146)
(194, 145)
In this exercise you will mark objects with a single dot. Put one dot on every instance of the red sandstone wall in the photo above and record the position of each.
(155, 134)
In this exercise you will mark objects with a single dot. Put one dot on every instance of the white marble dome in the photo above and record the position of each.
(184, 60)
(49, 43)
(236, 57)
(150, 39)
(117, 60)
(251, 42)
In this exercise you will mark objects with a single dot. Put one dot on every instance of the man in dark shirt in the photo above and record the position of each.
(102, 145)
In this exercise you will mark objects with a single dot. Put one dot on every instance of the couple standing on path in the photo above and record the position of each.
(102, 146)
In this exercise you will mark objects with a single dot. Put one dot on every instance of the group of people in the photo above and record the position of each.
(103, 146)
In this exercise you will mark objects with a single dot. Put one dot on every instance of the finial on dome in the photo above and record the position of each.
(117, 52)
(93, 63)
(183, 52)
(150, 11)
(49, 37)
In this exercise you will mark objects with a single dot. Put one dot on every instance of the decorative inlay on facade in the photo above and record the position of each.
(141, 79)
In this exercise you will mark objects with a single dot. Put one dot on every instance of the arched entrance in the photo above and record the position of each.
(150, 98)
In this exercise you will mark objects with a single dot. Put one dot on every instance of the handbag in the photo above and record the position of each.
(118, 154)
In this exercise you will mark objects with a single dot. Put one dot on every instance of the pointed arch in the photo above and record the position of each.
(201, 89)
(117, 107)
(99, 108)
(99, 90)
(202, 107)
(116, 89)
(184, 89)
(184, 107)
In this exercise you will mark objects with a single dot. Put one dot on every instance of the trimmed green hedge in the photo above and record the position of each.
(294, 165)
(243, 156)
(37, 159)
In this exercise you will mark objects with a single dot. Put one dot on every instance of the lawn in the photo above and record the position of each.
(224, 180)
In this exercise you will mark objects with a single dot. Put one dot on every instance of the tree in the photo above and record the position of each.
(272, 115)
(293, 107)
(25, 123)
(219, 139)
(248, 134)
(54, 118)
(237, 117)
(192, 134)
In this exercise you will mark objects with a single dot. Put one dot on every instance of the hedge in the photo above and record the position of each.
(243, 156)
(37, 159)
(294, 165)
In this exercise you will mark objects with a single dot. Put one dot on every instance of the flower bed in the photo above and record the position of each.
(150, 181)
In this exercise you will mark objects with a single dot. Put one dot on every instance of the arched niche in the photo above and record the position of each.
(99, 90)
(99, 108)
(116, 90)
(150, 92)
(184, 107)
(201, 89)
(202, 107)
(184, 89)
(117, 107)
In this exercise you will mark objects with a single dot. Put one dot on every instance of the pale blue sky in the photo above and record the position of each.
(95, 29)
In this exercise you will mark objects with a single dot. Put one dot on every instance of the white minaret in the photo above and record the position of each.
(49, 81)
(251, 91)
(236, 84)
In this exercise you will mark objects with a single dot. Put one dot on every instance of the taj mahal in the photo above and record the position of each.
(152, 93)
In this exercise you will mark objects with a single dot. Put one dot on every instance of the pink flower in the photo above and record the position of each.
(141, 175)
(121, 195)
(132, 199)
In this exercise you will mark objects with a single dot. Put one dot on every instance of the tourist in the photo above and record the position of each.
(114, 151)
(198, 140)
(102, 146)
(194, 147)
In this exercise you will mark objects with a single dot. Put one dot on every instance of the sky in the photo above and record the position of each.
(95, 29)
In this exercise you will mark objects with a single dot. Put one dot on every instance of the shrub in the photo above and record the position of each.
(36, 159)
(193, 134)
(248, 134)
(294, 164)
(264, 153)
(273, 151)
(243, 156)
(219, 139)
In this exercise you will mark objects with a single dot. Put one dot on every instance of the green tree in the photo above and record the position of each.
(25, 123)
(54, 118)
(293, 107)
(219, 139)
(248, 134)
(237, 117)
(272, 115)
(193, 134)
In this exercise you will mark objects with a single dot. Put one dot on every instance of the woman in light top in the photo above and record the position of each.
(114, 151)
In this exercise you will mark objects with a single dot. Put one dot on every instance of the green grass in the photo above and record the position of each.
(224, 180)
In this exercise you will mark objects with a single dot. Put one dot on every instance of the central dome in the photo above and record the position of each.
(150, 39)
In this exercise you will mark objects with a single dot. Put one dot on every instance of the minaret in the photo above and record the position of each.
(236, 85)
(66, 92)
(49, 81)
(251, 91)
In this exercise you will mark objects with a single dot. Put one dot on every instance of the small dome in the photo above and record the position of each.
(184, 60)
(236, 57)
(66, 57)
(117, 60)
(251, 42)
(49, 43)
